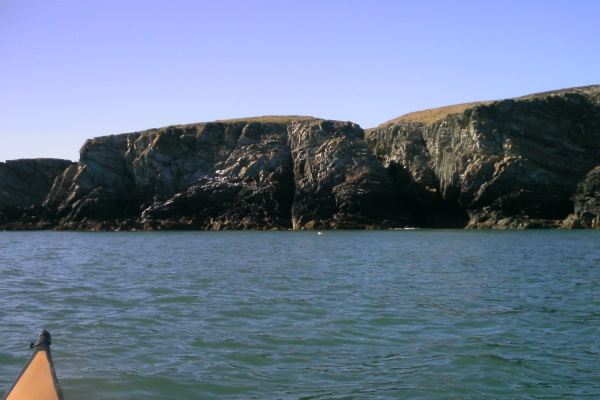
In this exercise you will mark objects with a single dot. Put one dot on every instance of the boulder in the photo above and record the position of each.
(587, 203)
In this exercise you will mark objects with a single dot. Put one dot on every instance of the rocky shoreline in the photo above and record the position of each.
(530, 162)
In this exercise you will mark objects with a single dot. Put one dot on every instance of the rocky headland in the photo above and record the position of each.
(504, 164)
(529, 162)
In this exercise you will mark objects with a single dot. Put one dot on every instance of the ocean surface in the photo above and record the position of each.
(412, 314)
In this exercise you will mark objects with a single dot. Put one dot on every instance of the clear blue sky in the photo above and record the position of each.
(73, 70)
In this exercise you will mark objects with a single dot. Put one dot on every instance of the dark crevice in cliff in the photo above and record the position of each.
(292, 192)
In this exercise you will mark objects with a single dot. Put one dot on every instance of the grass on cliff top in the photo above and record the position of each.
(428, 117)
(432, 115)
(591, 90)
(280, 119)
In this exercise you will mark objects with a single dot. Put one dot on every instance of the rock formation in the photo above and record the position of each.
(587, 203)
(24, 186)
(529, 162)
(503, 164)
(266, 173)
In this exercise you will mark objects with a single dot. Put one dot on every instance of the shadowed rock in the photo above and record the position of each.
(587, 203)
(24, 186)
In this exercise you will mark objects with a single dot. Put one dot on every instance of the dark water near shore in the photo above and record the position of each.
(297, 315)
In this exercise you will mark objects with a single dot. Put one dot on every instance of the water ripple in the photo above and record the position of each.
(295, 315)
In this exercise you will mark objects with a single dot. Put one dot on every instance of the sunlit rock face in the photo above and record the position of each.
(298, 174)
(529, 162)
(217, 176)
(504, 164)
(339, 184)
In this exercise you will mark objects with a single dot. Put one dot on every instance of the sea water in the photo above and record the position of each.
(418, 314)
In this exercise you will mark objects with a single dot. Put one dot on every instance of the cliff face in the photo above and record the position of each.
(306, 174)
(505, 164)
(24, 185)
(587, 203)
(528, 162)
(339, 184)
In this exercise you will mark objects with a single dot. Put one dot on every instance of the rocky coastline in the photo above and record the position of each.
(529, 162)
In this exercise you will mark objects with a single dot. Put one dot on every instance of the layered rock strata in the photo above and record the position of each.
(504, 164)
(24, 186)
(587, 203)
(529, 162)
(305, 174)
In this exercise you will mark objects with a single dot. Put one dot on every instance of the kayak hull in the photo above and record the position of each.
(37, 380)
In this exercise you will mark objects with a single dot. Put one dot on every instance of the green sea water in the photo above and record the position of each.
(414, 314)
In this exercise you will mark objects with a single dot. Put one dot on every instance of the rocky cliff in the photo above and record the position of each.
(504, 164)
(587, 203)
(264, 173)
(519, 163)
(24, 186)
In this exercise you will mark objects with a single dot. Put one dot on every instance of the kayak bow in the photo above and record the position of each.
(37, 380)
